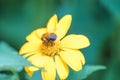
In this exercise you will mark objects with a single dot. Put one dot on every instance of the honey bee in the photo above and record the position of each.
(49, 39)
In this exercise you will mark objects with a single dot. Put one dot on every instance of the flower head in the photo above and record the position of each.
(47, 49)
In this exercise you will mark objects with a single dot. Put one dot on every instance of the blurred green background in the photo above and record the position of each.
(99, 20)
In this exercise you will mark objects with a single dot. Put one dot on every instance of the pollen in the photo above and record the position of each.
(50, 50)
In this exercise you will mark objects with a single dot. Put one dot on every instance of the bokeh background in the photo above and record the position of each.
(99, 20)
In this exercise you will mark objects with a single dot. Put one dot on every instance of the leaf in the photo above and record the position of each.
(7, 77)
(10, 59)
(36, 76)
(10, 74)
(85, 72)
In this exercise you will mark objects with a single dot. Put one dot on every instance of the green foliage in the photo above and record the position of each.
(35, 76)
(85, 72)
(10, 58)
(7, 77)
(113, 6)
(10, 61)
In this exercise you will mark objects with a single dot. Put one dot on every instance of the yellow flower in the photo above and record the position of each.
(47, 49)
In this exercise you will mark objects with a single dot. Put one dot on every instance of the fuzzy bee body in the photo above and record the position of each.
(49, 39)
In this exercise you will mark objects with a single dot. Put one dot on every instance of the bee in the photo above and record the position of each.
(49, 39)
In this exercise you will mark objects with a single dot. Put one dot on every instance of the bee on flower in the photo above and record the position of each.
(50, 51)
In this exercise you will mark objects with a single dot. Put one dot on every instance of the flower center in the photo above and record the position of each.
(50, 46)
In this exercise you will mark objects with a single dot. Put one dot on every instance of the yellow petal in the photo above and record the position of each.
(38, 60)
(43, 76)
(33, 68)
(40, 32)
(29, 72)
(49, 73)
(31, 53)
(62, 68)
(52, 24)
(75, 41)
(28, 54)
(33, 37)
(63, 26)
(29, 47)
(73, 58)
